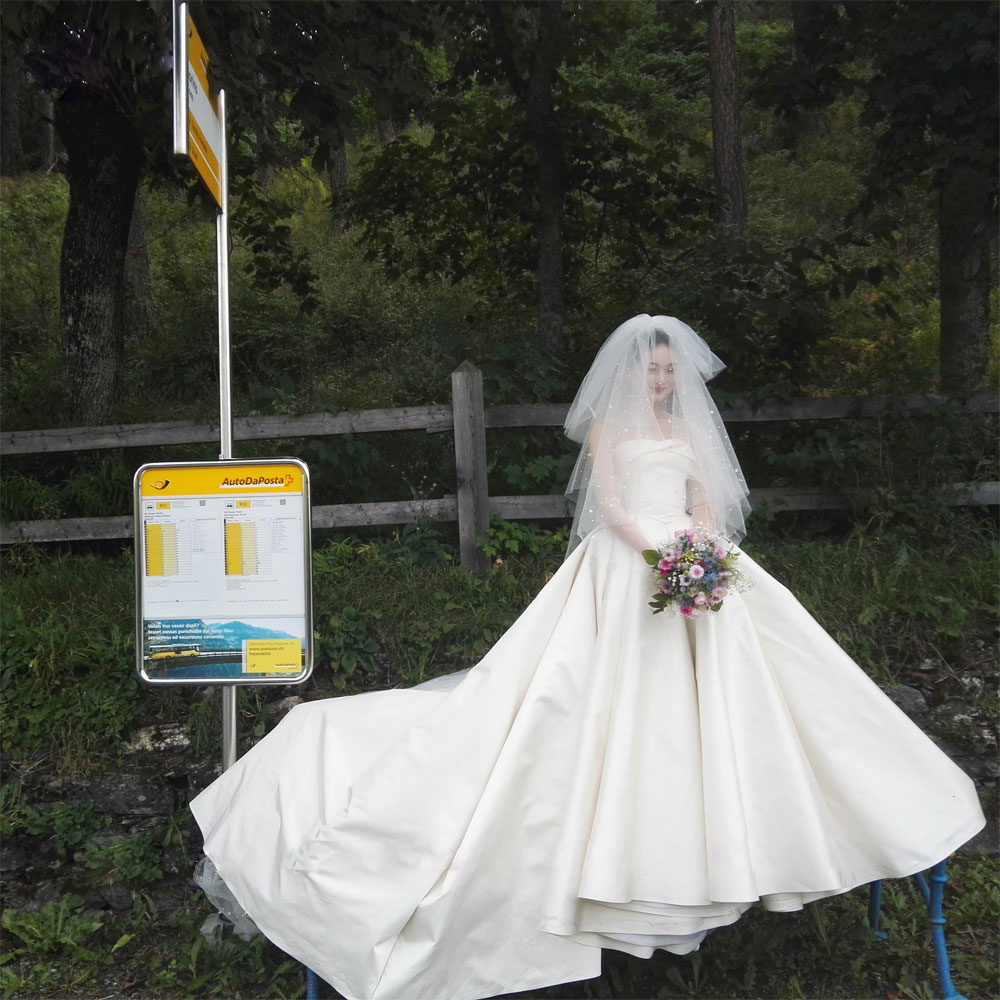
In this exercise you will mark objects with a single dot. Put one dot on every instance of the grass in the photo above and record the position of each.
(396, 611)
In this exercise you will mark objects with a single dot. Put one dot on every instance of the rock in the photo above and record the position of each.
(122, 794)
(971, 685)
(283, 707)
(117, 896)
(909, 699)
(50, 891)
(16, 858)
(170, 736)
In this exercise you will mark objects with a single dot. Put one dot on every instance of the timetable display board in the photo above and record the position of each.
(223, 572)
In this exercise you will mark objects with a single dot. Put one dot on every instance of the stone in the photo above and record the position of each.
(909, 699)
(166, 737)
(117, 896)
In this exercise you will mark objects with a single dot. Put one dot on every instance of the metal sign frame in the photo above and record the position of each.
(220, 529)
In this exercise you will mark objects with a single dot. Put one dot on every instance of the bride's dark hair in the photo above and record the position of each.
(661, 338)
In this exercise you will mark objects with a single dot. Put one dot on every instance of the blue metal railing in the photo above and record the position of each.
(933, 895)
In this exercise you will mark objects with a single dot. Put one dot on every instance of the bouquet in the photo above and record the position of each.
(694, 573)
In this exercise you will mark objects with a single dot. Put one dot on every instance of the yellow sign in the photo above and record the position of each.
(220, 480)
(204, 124)
(223, 572)
(273, 656)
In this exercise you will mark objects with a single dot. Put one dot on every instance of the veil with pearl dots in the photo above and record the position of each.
(614, 404)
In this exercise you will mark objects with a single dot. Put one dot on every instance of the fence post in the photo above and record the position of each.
(470, 463)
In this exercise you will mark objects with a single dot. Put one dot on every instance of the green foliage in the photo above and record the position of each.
(134, 860)
(419, 616)
(63, 929)
(67, 664)
(32, 213)
(68, 824)
(900, 469)
(891, 600)
(54, 927)
(194, 967)
(506, 538)
(344, 644)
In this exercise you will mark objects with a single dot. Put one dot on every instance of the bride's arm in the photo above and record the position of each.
(701, 512)
(605, 488)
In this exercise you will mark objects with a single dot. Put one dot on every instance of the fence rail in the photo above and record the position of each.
(467, 419)
(438, 419)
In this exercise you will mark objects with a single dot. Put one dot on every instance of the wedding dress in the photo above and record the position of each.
(604, 777)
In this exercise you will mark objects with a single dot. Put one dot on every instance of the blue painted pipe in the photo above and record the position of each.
(933, 895)
(312, 985)
(935, 898)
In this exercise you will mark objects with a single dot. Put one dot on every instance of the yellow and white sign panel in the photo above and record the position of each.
(223, 574)
(204, 123)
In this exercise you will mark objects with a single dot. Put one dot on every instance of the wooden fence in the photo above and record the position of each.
(467, 419)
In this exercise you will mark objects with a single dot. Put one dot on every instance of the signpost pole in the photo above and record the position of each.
(229, 717)
(208, 144)
(222, 256)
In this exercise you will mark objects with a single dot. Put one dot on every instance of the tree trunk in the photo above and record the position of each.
(727, 145)
(545, 135)
(387, 129)
(11, 151)
(103, 163)
(964, 280)
(138, 293)
(48, 160)
(338, 183)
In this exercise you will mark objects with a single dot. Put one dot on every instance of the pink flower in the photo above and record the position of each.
(664, 565)
(686, 610)
(700, 599)
(672, 554)
(720, 552)
(696, 572)
(718, 593)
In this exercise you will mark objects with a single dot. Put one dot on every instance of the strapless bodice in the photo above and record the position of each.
(653, 477)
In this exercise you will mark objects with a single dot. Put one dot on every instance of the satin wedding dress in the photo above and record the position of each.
(603, 778)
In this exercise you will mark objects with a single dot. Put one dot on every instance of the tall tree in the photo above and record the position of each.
(530, 34)
(727, 140)
(12, 70)
(546, 154)
(107, 65)
(930, 87)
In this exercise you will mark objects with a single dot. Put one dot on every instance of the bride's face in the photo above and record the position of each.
(659, 374)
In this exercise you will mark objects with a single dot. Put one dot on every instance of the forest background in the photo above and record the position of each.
(811, 185)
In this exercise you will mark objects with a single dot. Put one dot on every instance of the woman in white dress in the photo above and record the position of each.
(604, 777)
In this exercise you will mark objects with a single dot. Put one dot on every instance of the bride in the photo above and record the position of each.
(604, 777)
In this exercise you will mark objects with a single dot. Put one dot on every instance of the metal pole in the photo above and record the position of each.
(222, 255)
(225, 394)
(228, 726)
(180, 80)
